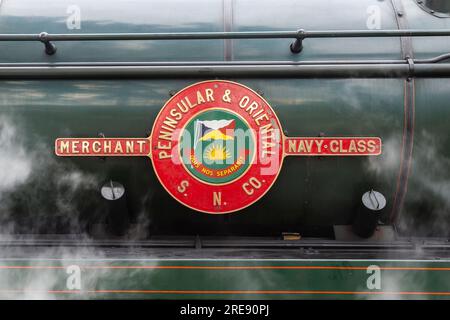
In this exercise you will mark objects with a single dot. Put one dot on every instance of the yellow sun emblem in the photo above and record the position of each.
(217, 152)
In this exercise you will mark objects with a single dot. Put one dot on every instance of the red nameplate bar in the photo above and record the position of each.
(309, 146)
(69, 147)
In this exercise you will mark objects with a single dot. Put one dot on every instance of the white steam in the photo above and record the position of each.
(15, 163)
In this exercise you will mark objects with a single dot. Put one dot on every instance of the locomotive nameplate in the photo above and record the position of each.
(217, 146)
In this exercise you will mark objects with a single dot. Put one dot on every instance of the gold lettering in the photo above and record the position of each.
(164, 155)
(171, 122)
(255, 183)
(75, 146)
(118, 148)
(165, 147)
(371, 146)
(253, 106)
(266, 145)
(200, 98)
(301, 146)
(217, 198)
(361, 146)
(64, 147)
(183, 186)
(141, 145)
(341, 147)
(194, 161)
(264, 116)
(190, 104)
(107, 146)
(257, 113)
(246, 188)
(264, 153)
(183, 106)
(319, 145)
(207, 171)
(334, 146)
(85, 146)
(165, 135)
(352, 147)
(292, 144)
(309, 144)
(167, 128)
(209, 95)
(244, 101)
(226, 97)
(250, 186)
(174, 113)
(266, 129)
(96, 146)
(129, 146)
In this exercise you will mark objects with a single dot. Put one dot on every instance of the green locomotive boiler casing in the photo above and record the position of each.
(60, 236)
(42, 193)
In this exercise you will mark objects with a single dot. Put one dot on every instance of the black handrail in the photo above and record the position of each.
(226, 71)
(296, 46)
(430, 67)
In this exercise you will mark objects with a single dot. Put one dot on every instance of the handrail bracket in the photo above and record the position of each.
(297, 45)
(50, 48)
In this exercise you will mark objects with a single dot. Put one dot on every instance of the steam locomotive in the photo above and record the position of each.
(215, 138)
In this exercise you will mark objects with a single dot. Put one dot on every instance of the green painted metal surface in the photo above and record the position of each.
(27, 16)
(43, 194)
(224, 279)
(309, 191)
(426, 208)
(55, 195)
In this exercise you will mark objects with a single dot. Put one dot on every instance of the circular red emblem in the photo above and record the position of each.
(216, 146)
